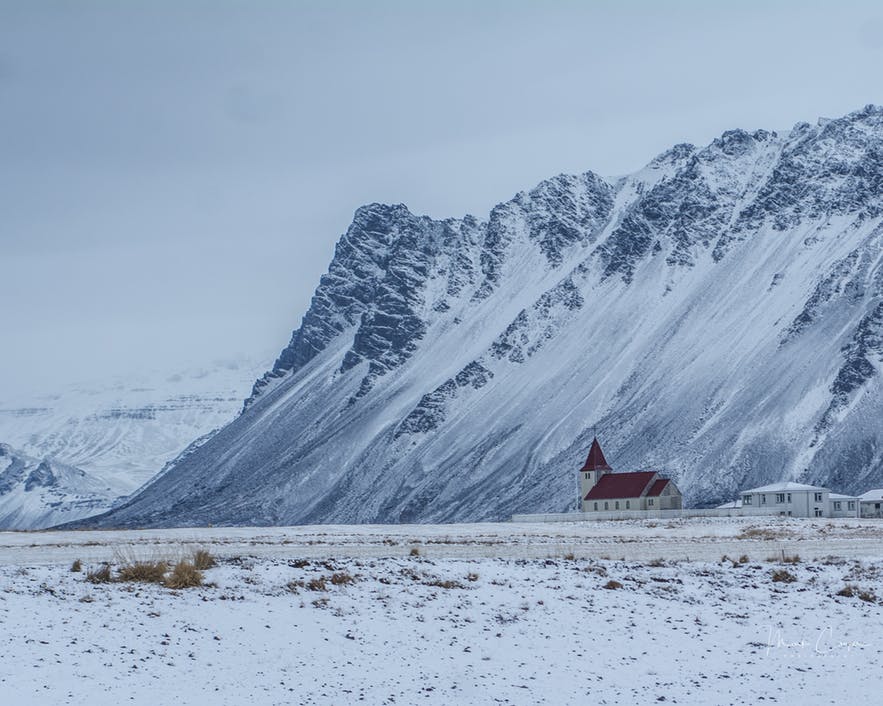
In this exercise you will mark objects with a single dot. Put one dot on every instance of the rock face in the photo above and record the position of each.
(717, 315)
(38, 493)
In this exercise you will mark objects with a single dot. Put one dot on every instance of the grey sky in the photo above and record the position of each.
(173, 175)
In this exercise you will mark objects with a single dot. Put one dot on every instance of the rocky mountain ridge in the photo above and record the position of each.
(716, 315)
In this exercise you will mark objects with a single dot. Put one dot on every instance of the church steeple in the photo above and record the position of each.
(591, 472)
(595, 460)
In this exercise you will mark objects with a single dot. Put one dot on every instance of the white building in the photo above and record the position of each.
(871, 503)
(842, 505)
(789, 499)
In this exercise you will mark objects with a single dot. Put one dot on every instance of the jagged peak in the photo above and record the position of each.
(559, 182)
(871, 109)
(377, 215)
(735, 143)
(675, 154)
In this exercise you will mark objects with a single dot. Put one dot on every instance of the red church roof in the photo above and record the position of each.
(621, 485)
(656, 488)
(596, 460)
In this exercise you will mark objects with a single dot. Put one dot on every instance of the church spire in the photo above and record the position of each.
(595, 460)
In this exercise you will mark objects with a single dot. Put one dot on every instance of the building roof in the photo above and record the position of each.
(621, 485)
(731, 505)
(595, 460)
(838, 496)
(782, 487)
(656, 488)
(871, 495)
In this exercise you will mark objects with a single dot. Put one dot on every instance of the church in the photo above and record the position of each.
(602, 490)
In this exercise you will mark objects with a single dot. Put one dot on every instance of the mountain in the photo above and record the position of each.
(124, 430)
(38, 493)
(717, 315)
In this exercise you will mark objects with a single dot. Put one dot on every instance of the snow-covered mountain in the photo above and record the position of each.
(717, 315)
(37, 493)
(124, 430)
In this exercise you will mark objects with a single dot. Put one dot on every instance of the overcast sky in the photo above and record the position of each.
(174, 175)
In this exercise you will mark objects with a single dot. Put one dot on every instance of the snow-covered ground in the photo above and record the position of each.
(517, 614)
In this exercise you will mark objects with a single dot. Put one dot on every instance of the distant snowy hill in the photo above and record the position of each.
(718, 315)
(37, 493)
(124, 430)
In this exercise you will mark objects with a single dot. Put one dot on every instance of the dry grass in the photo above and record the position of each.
(783, 576)
(143, 571)
(202, 560)
(77, 566)
(317, 584)
(415, 551)
(764, 533)
(184, 575)
(472, 577)
(612, 585)
(867, 596)
(446, 583)
(569, 556)
(853, 591)
(99, 575)
(341, 578)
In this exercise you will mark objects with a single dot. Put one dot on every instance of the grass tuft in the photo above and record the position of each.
(99, 575)
(783, 576)
(77, 566)
(144, 571)
(612, 585)
(867, 596)
(341, 578)
(184, 575)
(446, 583)
(317, 584)
(202, 560)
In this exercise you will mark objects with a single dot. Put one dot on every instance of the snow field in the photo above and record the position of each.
(332, 628)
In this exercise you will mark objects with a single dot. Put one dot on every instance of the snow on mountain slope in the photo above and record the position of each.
(38, 493)
(718, 315)
(124, 430)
